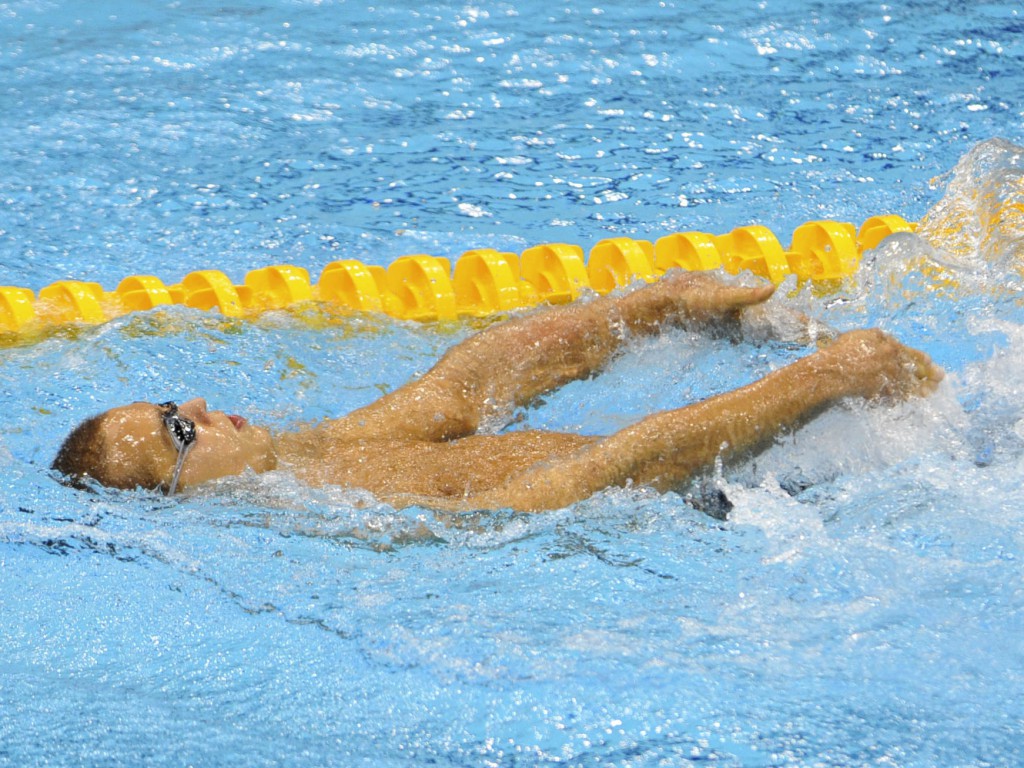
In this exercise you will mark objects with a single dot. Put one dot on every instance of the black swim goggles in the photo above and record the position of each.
(183, 436)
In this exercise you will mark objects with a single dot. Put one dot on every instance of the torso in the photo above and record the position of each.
(444, 470)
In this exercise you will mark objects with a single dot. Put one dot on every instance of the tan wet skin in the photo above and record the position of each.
(419, 444)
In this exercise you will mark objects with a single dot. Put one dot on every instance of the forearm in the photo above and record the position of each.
(492, 372)
(512, 363)
(668, 448)
(509, 364)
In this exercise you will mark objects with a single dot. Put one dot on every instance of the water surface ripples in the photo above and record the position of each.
(860, 605)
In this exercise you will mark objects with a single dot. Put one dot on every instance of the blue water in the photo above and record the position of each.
(862, 605)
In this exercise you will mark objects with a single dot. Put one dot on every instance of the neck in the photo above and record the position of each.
(300, 447)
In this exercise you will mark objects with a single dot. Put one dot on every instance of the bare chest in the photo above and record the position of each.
(445, 469)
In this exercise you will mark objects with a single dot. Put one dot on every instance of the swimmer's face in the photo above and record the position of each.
(139, 445)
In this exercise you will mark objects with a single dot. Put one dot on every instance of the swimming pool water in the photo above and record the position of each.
(862, 605)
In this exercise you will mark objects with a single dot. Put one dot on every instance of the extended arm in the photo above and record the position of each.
(666, 449)
(510, 364)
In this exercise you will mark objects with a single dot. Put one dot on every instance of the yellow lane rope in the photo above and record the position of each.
(483, 282)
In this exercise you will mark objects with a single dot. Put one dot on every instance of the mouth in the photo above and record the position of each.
(238, 421)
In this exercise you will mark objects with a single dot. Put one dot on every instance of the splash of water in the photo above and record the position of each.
(979, 221)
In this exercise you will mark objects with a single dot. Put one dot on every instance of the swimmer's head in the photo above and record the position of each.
(140, 445)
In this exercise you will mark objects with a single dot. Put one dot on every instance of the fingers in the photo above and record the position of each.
(707, 297)
(923, 375)
(911, 373)
(873, 364)
(739, 297)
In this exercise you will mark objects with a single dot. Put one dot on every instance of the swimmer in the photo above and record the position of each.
(420, 444)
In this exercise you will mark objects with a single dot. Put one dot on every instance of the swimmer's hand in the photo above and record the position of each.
(679, 296)
(873, 365)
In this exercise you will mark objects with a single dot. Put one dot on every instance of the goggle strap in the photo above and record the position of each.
(177, 467)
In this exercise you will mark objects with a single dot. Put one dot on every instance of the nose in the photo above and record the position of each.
(194, 409)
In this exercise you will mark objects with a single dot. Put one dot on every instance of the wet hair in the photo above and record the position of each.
(83, 460)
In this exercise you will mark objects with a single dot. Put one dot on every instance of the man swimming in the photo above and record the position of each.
(420, 444)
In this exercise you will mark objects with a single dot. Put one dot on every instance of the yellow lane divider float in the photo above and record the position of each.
(484, 282)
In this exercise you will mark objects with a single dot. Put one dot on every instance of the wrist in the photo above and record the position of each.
(646, 308)
(818, 378)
